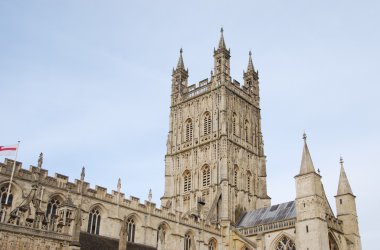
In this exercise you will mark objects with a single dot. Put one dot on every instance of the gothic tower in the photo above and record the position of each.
(346, 209)
(215, 162)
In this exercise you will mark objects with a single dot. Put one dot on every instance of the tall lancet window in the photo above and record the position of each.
(186, 181)
(189, 130)
(188, 243)
(206, 176)
(246, 131)
(131, 229)
(94, 221)
(207, 123)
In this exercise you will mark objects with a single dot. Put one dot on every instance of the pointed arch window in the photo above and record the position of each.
(207, 123)
(186, 181)
(285, 244)
(3, 196)
(131, 229)
(206, 176)
(188, 242)
(189, 130)
(52, 206)
(94, 221)
(212, 244)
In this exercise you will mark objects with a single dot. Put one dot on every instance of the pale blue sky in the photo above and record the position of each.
(88, 83)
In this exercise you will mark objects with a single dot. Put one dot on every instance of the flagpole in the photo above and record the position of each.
(13, 172)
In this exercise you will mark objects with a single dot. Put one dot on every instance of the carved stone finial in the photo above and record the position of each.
(118, 185)
(304, 136)
(341, 161)
(221, 29)
(82, 174)
(150, 195)
(40, 160)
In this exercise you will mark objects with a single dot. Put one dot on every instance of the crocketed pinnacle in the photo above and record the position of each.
(222, 44)
(180, 64)
(250, 63)
(344, 186)
(306, 162)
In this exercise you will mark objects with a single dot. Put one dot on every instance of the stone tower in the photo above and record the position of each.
(311, 203)
(346, 209)
(215, 162)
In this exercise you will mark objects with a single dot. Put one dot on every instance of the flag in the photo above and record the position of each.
(8, 150)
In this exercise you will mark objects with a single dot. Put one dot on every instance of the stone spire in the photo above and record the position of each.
(250, 63)
(222, 44)
(82, 174)
(150, 195)
(180, 64)
(118, 185)
(344, 186)
(306, 162)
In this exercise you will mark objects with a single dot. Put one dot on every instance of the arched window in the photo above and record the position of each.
(3, 196)
(94, 221)
(207, 123)
(236, 171)
(189, 130)
(186, 181)
(52, 206)
(206, 176)
(131, 229)
(212, 244)
(285, 244)
(188, 242)
(234, 125)
(249, 179)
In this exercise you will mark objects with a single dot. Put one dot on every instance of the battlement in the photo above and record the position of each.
(60, 181)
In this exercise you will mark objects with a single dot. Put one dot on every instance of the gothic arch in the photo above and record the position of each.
(94, 221)
(189, 241)
(187, 181)
(163, 230)
(212, 244)
(284, 239)
(333, 242)
(207, 122)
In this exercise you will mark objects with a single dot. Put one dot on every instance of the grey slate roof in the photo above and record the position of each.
(267, 215)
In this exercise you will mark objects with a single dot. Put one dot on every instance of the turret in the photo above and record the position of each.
(222, 61)
(180, 76)
(251, 78)
(346, 209)
(311, 225)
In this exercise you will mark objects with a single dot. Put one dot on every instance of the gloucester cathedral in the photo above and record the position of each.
(215, 194)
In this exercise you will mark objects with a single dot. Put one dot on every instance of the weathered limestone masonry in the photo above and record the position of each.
(215, 187)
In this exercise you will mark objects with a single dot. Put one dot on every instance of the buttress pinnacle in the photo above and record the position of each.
(222, 44)
(180, 64)
(250, 63)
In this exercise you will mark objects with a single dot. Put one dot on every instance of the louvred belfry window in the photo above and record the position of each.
(206, 176)
(207, 124)
(189, 130)
(186, 181)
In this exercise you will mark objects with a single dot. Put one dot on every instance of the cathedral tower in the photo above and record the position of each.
(215, 162)
(346, 209)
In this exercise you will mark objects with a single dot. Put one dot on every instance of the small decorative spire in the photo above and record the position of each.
(344, 185)
(250, 63)
(307, 165)
(118, 185)
(150, 195)
(82, 174)
(40, 160)
(180, 64)
(222, 44)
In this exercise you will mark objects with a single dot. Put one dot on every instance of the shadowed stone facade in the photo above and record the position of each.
(215, 187)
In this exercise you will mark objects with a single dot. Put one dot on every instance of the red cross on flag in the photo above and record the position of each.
(8, 150)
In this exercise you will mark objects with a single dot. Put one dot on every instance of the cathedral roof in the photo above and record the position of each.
(267, 215)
